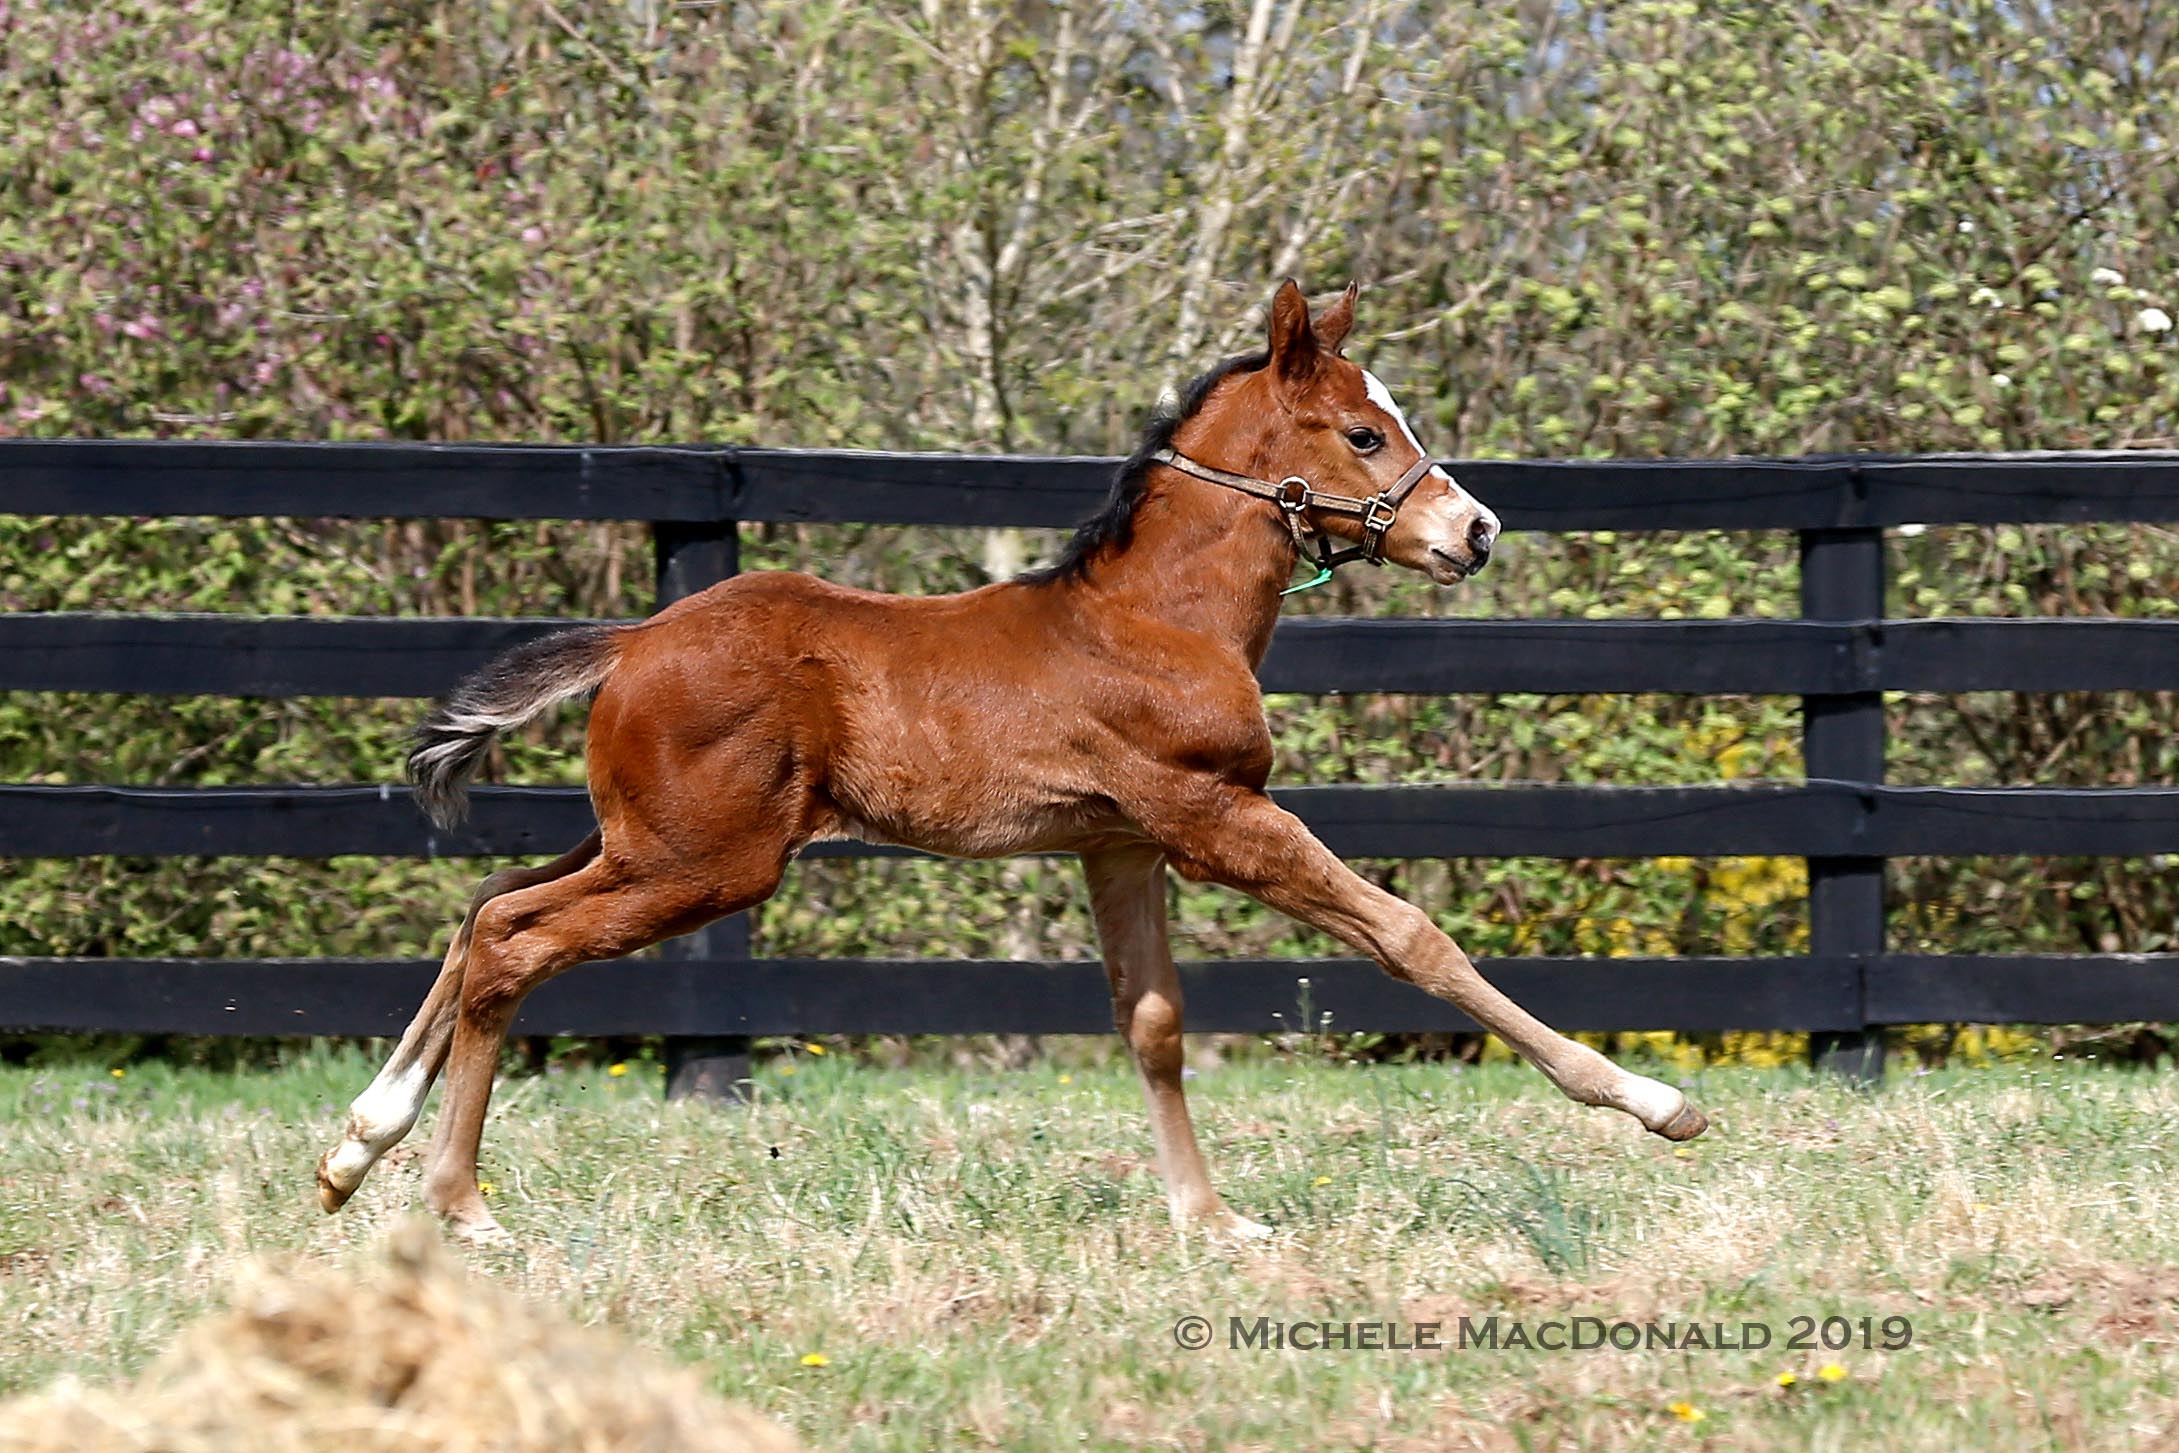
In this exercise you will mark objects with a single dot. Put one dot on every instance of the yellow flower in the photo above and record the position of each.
(1066, 1079)
(1686, 1411)
(485, 1188)
(1323, 1180)
(616, 1071)
(1785, 1379)
(815, 1359)
(117, 1072)
(814, 1048)
(786, 1069)
(1831, 1372)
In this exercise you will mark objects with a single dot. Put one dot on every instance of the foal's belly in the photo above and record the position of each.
(965, 820)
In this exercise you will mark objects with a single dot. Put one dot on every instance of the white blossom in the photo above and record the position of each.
(1966, 226)
(1910, 531)
(2107, 277)
(1986, 297)
(2153, 320)
(2001, 380)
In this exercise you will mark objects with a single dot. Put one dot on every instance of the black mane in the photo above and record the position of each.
(1114, 525)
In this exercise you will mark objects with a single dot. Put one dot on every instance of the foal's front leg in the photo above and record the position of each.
(1127, 894)
(1246, 841)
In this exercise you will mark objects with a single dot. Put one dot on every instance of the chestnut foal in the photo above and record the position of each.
(1107, 706)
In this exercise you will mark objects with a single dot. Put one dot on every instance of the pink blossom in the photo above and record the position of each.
(533, 234)
(184, 128)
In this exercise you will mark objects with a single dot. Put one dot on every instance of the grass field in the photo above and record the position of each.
(981, 1258)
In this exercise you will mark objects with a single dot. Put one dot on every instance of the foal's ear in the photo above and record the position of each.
(1332, 324)
(1295, 352)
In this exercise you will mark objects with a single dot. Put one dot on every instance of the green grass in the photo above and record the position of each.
(983, 1259)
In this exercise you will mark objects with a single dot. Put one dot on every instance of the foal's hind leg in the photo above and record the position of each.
(609, 907)
(1127, 894)
(387, 1110)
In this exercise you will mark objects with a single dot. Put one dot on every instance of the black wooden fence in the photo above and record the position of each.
(1839, 657)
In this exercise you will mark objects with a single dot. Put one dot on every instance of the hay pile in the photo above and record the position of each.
(416, 1356)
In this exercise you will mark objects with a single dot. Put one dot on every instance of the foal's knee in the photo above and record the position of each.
(1150, 1023)
(1406, 941)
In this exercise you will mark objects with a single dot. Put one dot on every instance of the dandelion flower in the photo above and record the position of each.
(1686, 1411)
(616, 1071)
(786, 1069)
(2153, 320)
(485, 1188)
(1323, 1181)
(816, 1049)
(816, 1359)
(1831, 1372)
(1785, 1379)
(1066, 1079)
(118, 1073)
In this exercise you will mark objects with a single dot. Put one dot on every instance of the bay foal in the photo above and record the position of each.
(1107, 706)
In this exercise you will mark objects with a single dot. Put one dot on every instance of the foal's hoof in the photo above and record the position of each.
(332, 1195)
(485, 1234)
(1225, 1224)
(1686, 1125)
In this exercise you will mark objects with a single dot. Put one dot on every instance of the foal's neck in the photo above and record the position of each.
(1201, 556)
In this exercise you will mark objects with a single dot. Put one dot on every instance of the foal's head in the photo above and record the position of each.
(1337, 427)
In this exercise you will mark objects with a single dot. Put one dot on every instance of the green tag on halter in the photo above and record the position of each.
(1323, 573)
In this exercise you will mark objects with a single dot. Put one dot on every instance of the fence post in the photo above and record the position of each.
(1842, 738)
(691, 557)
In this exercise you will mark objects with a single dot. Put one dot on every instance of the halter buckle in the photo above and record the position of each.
(1378, 516)
(1293, 494)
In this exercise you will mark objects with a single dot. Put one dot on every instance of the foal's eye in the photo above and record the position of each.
(1365, 440)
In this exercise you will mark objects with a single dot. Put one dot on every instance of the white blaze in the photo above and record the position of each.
(1382, 398)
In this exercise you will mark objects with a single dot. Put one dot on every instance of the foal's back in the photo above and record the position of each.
(995, 721)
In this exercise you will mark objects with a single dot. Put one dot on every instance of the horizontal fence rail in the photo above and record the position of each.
(1249, 996)
(525, 482)
(709, 991)
(282, 656)
(1534, 820)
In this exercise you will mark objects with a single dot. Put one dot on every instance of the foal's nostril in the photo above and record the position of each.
(1480, 539)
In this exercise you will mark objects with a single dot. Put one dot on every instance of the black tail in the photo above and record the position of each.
(509, 690)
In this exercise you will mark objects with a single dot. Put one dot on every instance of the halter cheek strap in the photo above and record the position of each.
(1294, 497)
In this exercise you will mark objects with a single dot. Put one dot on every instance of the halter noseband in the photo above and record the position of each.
(1293, 495)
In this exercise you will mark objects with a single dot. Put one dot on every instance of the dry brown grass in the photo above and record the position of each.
(980, 1260)
(414, 1354)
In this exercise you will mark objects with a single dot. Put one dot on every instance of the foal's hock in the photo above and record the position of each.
(1106, 706)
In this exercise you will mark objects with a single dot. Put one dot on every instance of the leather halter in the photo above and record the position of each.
(1294, 495)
